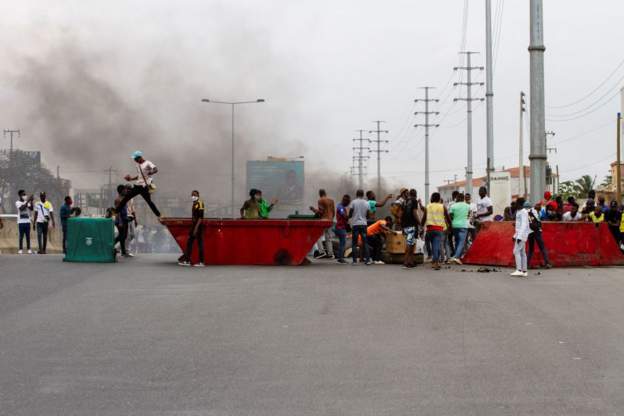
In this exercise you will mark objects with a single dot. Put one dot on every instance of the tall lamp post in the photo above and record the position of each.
(232, 104)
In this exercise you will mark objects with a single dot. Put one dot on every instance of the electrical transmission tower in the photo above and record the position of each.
(427, 126)
(468, 99)
(359, 158)
(379, 150)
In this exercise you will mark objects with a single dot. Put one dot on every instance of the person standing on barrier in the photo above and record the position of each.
(342, 224)
(196, 232)
(536, 236)
(358, 212)
(436, 219)
(521, 235)
(24, 207)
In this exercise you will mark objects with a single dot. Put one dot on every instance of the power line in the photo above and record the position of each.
(594, 90)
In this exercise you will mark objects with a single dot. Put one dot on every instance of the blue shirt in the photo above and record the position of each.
(65, 214)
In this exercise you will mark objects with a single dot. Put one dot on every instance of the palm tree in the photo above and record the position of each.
(584, 184)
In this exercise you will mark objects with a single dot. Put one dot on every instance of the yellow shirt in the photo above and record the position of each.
(435, 217)
(595, 219)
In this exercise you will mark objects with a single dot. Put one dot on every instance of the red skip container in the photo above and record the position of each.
(569, 244)
(251, 242)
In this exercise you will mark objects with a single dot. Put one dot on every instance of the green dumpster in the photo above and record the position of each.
(90, 240)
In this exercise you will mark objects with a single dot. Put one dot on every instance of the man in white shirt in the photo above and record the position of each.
(24, 207)
(358, 212)
(485, 208)
(143, 183)
(520, 238)
(44, 214)
(573, 214)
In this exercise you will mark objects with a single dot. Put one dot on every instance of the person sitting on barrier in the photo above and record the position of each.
(613, 218)
(509, 214)
(590, 204)
(485, 208)
(256, 207)
(375, 234)
(521, 235)
(196, 232)
(573, 214)
(549, 213)
(596, 216)
(567, 207)
(536, 236)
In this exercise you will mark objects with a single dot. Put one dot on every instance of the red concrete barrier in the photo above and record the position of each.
(569, 244)
(257, 242)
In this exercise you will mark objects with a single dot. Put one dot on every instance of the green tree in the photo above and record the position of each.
(584, 184)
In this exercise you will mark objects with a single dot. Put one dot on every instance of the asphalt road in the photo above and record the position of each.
(146, 337)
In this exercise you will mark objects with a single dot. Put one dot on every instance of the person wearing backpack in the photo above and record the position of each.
(536, 236)
(523, 231)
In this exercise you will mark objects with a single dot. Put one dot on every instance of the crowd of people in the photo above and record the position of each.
(528, 222)
(444, 230)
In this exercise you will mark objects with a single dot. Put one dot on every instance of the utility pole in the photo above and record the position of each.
(521, 177)
(11, 133)
(379, 151)
(359, 158)
(468, 99)
(618, 171)
(489, 90)
(550, 149)
(110, 186)
(427, 125)
(538, 155)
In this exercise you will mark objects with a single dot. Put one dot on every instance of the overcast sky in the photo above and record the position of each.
(327, 68)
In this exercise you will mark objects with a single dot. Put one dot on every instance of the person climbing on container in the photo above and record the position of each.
(196, 232)
(122, 221)
(325, 210)
(256, 207)
(143, 183)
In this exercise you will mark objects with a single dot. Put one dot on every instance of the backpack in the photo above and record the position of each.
(534, 223)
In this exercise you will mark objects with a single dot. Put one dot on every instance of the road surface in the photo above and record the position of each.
(146, 337)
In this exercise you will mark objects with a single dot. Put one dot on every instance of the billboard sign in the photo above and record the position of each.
(282, 180)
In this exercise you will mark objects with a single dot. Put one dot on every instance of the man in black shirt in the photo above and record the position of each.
(196, 233)
(409, 222)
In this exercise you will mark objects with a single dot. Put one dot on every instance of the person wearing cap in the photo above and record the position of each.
(143, 183)
(521, 235)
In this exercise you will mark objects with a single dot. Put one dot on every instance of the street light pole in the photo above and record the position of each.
(233, 177)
